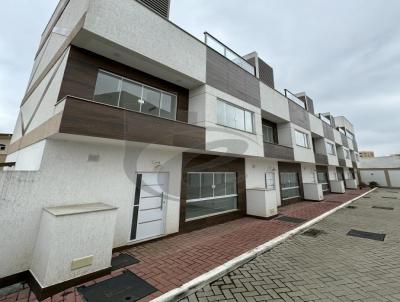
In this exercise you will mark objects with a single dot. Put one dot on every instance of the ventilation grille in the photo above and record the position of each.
(159, 6)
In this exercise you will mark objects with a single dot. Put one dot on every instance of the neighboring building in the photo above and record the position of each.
(4, 142)
(367, 154)
(384, 170)
(126, 108)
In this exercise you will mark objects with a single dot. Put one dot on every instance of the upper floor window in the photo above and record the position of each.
(347, 153)
(121, 92)
(268, 134)
(234, 117)
(330, 148)
(302, 139)
(2, 147)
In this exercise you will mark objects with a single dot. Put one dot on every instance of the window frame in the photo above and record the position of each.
(290, 188)
(225, 122)
(328, 144)
(3, 147)
(121, 79)
(306, 140)
(273, 186)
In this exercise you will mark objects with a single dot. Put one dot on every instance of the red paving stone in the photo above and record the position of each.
(173, 261)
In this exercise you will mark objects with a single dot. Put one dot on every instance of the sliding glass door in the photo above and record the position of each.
(289, 185)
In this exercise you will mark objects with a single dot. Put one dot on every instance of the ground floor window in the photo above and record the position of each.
(290, 185)
(210, 193)
(323, 180)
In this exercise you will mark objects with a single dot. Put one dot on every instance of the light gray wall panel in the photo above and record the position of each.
(328, 132)
(299, 116)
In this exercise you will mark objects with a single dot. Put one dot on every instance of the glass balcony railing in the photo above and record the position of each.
(228, 53)
(325, 119)
(295, 99)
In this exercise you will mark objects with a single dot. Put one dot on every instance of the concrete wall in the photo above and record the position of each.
(308, 173)
(338, 137)
(380, 162)
(135, 27)
(274, 103)
(332, 173)
(203, 112)
(65, 168)
(394, 176)
(29, 158)
(302, 154)
(316, 125)
(332, 159)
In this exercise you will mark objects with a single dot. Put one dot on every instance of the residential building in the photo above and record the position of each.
(4, 142)
(367, 154)
(125, 108)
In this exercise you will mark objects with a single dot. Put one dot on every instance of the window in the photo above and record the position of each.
(347, 153)
(270, 181)
(118, 91)
(210, 193)
(323, 180)
(268, 134)
(2, 147)
(330, 148)
(234, 117)
(301, 139)
(290, 185)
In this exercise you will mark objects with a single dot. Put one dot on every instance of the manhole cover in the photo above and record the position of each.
(366, 235)
(122, 260)
(125, 287)
(313, 233)
(382, 208)
(291, 219)
(351, 207)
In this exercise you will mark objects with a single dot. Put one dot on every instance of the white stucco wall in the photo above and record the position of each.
(274, 103)
(67, 177)
(255, 174)
(203, 112)
(27, 159)
(332, 173)
(380, 162)
(131, 25)
(377, 176)
(394, 176)
(308, 173)
(316, 125)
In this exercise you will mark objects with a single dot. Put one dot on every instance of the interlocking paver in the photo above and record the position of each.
(332, 266)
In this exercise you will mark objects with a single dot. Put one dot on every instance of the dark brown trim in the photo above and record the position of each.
(84, 117)
(43, 293)
(291, 167)
(13, 279)
(263, 218)
(81, 75)
(274, 130)
(193, 162)
(9, 164)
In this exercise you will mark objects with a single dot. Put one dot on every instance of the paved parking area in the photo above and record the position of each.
(329, 267)
(173, 261)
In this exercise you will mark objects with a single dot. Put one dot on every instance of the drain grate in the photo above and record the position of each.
(366, 235)
(123, 288)
(366, 197)
(351, 207)
(291, 219)
(122, 260)
(389, 197)
(382, 208)
(313, 233)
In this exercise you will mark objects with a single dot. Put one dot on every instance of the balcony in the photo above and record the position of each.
(321, 159)
(89, 118)
(295, 99)
(278, 151)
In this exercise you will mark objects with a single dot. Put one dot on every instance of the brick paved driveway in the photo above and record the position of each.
(330, 267)
(173, 261)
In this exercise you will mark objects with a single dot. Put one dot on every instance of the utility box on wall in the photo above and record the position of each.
(313, 191)
(261, 202)
(337, 186)
(73, 241)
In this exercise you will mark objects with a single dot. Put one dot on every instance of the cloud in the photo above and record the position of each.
(344, 54)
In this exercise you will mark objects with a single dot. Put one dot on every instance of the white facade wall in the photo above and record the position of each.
(133, 26)
(308, 173)
(316, 125)
(338, 137)
(332, 159)
(274, 103)
(203, 112)
(377, 176)
(394, 176)
(67, 177)
(27, 159)
(332, 173)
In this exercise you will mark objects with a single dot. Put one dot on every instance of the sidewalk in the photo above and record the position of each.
(173, 261)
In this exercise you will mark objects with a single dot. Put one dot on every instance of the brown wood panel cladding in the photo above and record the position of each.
(230, 78)
(278, 151)
(83, 117)
(328, 132)
(299, 116)
(192, 162)
(266, 73)
(159, 6)
(292, 167)
(81, 74)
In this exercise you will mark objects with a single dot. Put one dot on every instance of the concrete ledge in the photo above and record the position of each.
(195, 284)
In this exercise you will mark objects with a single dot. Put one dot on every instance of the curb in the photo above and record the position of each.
(200, 281)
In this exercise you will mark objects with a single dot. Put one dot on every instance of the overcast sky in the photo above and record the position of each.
(344, 54)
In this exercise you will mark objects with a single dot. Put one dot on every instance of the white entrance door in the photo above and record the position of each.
(149, 206)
